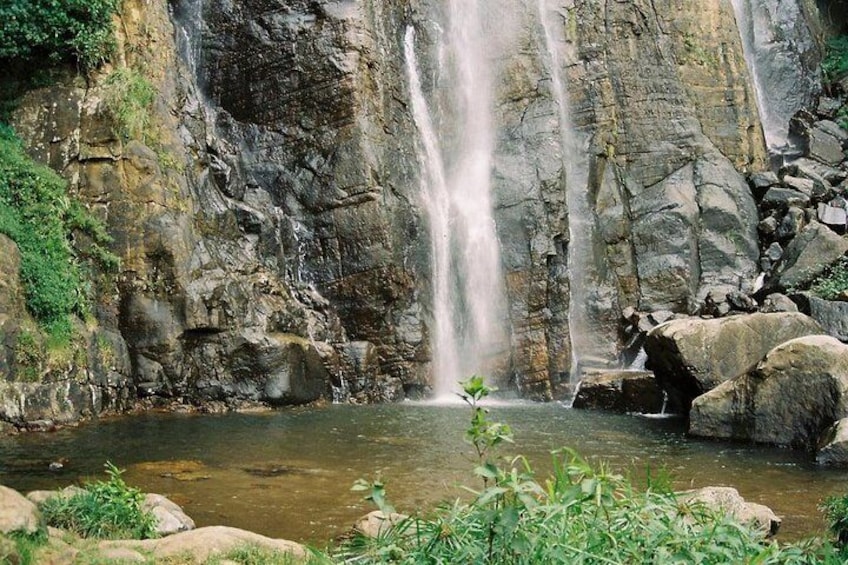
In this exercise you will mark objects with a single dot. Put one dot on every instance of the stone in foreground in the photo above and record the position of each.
(17, 514)
(729, 501)
(204, 543)
(790, 399)
(170, 518)
(620, 391)
(692, 356)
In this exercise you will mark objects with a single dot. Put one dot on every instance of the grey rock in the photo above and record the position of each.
(833, 446)
(170, 518)
(832, 315)
(792, 223)
(801, 185)
(692, 356)
(815, 170)
(376, 523)
(763, 180)
(825, 141)
(783, 198)
(727, 500)
(808, 255)
(834, 216)
(741, 302)
(827, 107)
(795, 393)
(768, 226)
(774, 252)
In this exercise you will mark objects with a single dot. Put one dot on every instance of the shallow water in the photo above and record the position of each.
(288, 474)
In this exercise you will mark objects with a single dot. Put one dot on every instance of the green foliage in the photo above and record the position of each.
(483, 434)
(36, 213)
(833, 283)
(835, 63)
(22, 547)
(835, 510)
(580, 514)
(29, 356)
(58, 30)
(104, 509)
(129, 96)
(252, 554)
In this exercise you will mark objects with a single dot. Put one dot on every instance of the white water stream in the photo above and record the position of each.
(468, 304)
(580, 223)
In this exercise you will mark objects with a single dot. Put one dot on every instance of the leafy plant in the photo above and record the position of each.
(104, 509)
(129, 96)
(483, 434)
(835, 63)
(58, 30)
(833, 283)
(835, 510)
(580, 514)
(37, 214)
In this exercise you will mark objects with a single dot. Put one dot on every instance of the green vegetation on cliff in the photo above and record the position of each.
(57, 30)
(38, 215)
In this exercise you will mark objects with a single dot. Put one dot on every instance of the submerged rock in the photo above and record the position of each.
(791, 398)
(692, 356)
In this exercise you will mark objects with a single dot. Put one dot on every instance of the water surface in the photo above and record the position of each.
(288, 473)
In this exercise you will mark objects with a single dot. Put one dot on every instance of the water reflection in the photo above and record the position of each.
(288, 474)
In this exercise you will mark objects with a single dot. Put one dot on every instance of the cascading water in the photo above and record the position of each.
(456, 162)
(580, 225)
(775, 46)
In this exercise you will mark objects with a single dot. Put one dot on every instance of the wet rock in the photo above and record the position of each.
(180, 470)
(833, 446)
(782, 198)
(170, 518)
(808, 255)
(17, 514)
(793, 395)
(825, 141)
(815, 170)
(832, 315)
(691, 356)
(727, 500)
(792, 223)
(620, 391)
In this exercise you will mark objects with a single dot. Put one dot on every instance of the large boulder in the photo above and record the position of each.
(692, 356)
(809, 255)
(17, 514)
(833, 449)
(790, 399)
(620, 391)
(832, 315)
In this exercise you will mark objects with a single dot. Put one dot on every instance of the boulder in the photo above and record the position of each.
(808, 255)
(375, 523)
(620, 391)
(834, 445)
(728, 501)
(39, 497)
(790, 399)
(204, 543)
(832, 315)
(691, 356)
(782, 198)
(825, 141)
(777, 302)
(17, 514)
(170, 518)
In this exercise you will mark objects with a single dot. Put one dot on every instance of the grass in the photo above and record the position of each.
(835, 63)
(104, 509)
(833, 283)
(128, 97)
(39, 216)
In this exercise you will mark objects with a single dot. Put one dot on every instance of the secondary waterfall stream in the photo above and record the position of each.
(455, 155)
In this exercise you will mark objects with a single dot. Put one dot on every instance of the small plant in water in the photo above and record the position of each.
(103, 509)
(483, 434)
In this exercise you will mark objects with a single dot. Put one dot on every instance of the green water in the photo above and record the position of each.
(288, 474)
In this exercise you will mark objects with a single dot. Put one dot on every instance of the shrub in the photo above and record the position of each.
(833, 283)
(835, 510)
(129, 96)
(835, 63)
(104, 509)
(59, 30)
(37, 214)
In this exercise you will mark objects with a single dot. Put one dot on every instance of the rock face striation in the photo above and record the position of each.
(270, 226)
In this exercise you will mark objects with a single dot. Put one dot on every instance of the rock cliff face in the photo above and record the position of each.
(273, 242)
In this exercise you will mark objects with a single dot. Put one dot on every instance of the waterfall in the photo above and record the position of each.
(580, 224)
(775, 42)
(455, 156)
